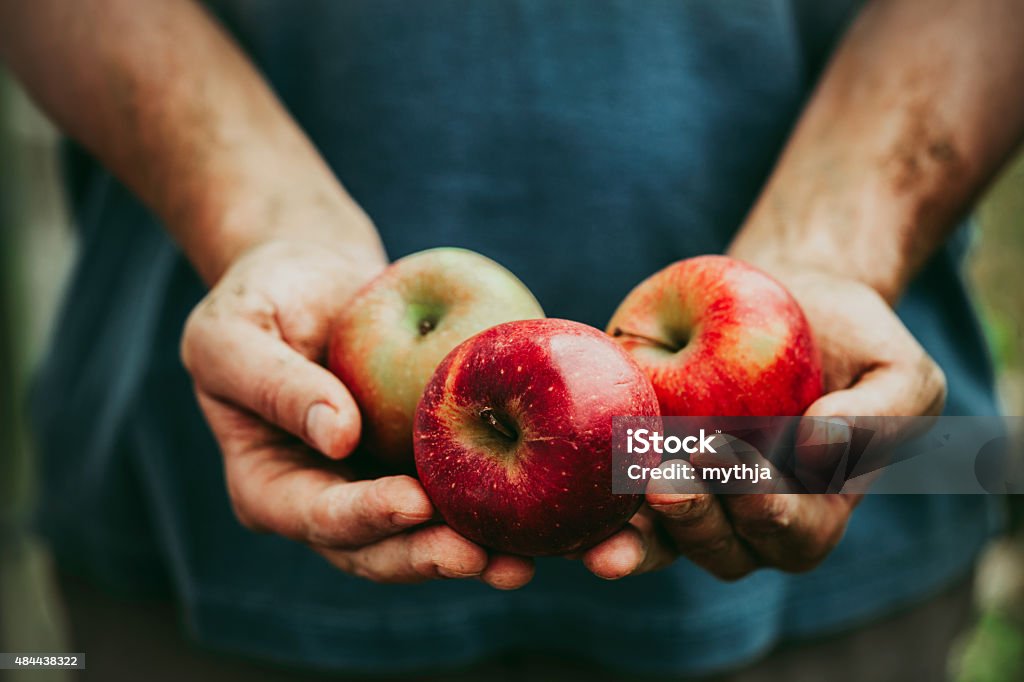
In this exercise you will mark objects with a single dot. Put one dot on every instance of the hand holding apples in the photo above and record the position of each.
(871, 366)
(252, 347)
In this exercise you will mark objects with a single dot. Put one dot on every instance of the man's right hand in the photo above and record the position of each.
(254, 347)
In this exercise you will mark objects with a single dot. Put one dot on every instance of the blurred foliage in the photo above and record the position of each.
(8, 417)
(994, 652)
(34, 244)
(997, 278)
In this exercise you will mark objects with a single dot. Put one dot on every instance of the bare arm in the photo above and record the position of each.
(920, 107)
(166, 100)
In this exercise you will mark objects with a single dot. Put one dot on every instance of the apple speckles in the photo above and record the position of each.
(533, 497)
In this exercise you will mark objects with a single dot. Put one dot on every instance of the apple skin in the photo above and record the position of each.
(389, 340)
(718, 337)
(539, 483)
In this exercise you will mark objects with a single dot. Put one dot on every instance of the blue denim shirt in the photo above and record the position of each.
(582, 143)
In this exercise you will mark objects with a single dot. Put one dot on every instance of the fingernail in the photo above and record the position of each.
(408, 518)
(321, 422)
(452, 573)
(679, 498)
(623, 572)
(839, 430)
(677, 486)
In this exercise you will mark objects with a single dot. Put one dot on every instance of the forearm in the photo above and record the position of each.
(172, 107)
(919, 107)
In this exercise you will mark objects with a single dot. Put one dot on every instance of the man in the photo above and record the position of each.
(582, 144)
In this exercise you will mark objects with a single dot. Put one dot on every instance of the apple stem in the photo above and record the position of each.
(426, 326)
(488, 415)
(619, 331)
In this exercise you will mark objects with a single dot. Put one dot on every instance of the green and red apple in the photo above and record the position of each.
(398, 328)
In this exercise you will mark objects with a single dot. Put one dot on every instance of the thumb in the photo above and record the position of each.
(885, 406)
(240, 363)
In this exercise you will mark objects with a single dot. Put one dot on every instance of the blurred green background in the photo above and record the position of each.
(36, 247)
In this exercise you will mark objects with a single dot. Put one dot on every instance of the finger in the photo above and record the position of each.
(617, 556)
(412, 557)
(508, 572)
(701, 531)
(659, 549)
(912, 387)
(791, 532)
(239, 362)
(278, 486)
(640, 547)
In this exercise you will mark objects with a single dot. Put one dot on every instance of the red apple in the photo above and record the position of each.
(718, 337)
(513, 436)
(395, 331)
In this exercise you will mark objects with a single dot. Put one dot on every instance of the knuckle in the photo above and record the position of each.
(361, 565)
(937, 381)
(360, 569)
(323, 517)
(320, 518)
(775, 519)
(190, 335)
(258, 308)
(378, 497)
(423, 550)
(423, 564)
(267, 398)
(719, 557)
(244, 513)
(343, 561)
(369, 510)
(245, 505)
(713, 548)
(247, 521)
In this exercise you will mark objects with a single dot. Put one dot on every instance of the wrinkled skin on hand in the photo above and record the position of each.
(255, 347)
(872, 367)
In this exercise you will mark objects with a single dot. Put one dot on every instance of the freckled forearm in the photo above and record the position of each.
(919, 108)
(167, 101)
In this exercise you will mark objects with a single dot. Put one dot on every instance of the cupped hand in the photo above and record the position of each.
(872, 367)
(255, 347)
